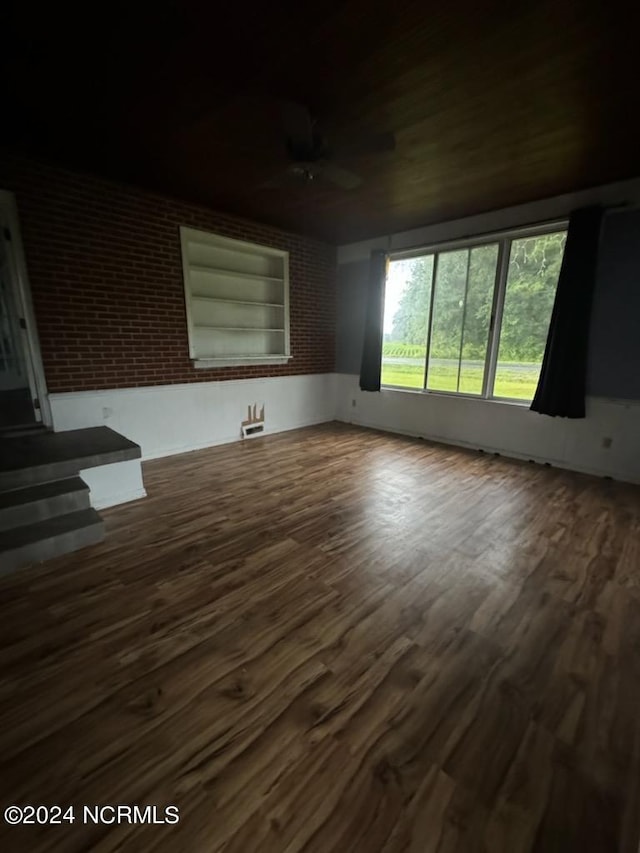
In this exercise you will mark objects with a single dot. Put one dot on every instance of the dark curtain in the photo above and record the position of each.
(372, 345)
(562, 385)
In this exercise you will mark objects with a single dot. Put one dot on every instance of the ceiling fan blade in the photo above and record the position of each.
(298, 124)
(377, 143)
(275, 183)
(342, 178)
(292, 176)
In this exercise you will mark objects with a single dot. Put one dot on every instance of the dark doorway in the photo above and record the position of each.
(16, 397)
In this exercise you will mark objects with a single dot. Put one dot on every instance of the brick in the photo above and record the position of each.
(105, 269)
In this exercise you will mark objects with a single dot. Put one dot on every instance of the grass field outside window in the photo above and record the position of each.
(516, 381)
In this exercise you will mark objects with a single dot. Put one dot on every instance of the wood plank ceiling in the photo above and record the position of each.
(492, 104)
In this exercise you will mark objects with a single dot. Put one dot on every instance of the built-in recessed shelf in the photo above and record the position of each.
(237, 300)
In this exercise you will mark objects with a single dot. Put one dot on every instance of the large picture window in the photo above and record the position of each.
(472, 318)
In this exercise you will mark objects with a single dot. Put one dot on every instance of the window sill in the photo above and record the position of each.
(504, 401)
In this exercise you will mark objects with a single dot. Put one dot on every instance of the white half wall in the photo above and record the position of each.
(168, 419)
(505, 428)
(114, 484)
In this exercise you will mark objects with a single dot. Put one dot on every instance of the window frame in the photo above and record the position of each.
(503, 239)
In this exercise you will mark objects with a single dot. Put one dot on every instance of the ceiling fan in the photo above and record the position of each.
(311, 158)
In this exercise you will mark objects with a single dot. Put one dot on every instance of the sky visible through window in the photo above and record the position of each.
(397, 280)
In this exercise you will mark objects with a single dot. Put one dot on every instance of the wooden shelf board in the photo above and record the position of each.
(249, 276)
(231, 360)
(236, 328)
(240, 301)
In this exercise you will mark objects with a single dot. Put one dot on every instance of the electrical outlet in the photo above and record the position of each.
(353, 402)
(607, 442)
(107, 411)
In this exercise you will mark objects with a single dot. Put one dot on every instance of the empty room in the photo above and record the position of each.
(320, 428)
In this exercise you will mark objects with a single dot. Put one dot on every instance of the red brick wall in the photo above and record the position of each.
(105, 269)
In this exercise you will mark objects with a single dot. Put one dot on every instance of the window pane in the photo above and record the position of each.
(446, 327)
(534, 267)
(465, 281)
(406, 317)
(482, 279)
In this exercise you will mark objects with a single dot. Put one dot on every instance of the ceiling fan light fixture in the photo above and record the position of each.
(303, 172)
(311, 158)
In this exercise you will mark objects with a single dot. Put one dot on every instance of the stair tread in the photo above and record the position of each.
(41, 491)
(85, 446)
(25, 430)
(47, 529)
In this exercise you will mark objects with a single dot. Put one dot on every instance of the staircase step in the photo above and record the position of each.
(19, 507)
(49, 538)
(27, 429)
(29, 459)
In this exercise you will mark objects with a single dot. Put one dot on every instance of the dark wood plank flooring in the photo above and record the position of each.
(335, 641)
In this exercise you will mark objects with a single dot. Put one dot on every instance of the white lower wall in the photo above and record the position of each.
(114, 484)
(168, 419)
(505, 428)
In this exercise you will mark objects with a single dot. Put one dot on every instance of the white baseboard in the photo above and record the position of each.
(506, 429)
(488, 449)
